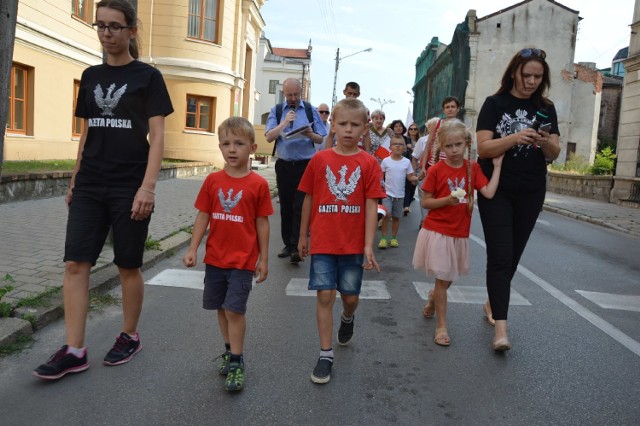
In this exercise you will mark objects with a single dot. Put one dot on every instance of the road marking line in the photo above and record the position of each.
(369, 290)
(179, 278)
(621, 302)
(468, 294)
(603, 325)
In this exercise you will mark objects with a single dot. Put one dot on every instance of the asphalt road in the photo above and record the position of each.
(574, 361)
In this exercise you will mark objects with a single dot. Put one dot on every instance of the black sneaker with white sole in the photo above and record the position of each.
(345, 332)
(322, 373)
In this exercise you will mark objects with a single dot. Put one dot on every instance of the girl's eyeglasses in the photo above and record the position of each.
(412, 129)
(113, 28)
(525, 53)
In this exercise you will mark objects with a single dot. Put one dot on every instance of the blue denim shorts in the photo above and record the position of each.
(227, 289)
(342, 272)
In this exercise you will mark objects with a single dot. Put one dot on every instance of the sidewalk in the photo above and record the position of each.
(33, 232)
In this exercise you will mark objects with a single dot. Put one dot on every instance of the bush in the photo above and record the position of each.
(574, 164)
(603, 163)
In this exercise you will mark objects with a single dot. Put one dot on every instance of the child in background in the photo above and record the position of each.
(442, 246)
(235, 204)
(342, 186)
(397, 169)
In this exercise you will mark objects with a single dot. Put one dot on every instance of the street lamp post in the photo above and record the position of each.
(382, 102)
(334, 99)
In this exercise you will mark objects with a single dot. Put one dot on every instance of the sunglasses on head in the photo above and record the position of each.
(525, 53)
(323, 111)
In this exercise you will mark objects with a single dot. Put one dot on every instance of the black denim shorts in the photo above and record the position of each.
(95, 210)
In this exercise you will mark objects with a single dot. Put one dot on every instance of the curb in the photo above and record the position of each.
(100, 281)
(589, 219)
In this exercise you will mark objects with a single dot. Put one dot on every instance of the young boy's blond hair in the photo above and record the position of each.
(238, 126)
(350, 104)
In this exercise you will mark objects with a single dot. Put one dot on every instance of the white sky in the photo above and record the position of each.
(398, 32)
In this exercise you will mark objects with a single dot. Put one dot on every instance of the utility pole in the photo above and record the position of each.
(8, 17)
(334, 99)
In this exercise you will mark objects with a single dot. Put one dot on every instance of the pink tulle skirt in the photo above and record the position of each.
(445, 258)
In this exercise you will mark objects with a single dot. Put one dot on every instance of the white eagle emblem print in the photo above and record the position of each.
(107, 103)
(230, 201)
(342, 189)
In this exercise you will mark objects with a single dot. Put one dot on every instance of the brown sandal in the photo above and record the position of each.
(442, 337)
(429, 310)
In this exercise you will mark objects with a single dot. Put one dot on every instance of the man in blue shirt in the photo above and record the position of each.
(293, 155)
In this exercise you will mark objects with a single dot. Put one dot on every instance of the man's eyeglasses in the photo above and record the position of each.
(323, 112)
(113, 28)
(525, 53)
(397, 144)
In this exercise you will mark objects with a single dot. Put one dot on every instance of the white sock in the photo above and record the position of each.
(77, 352)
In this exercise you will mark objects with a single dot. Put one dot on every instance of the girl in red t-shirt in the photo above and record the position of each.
(442, 246)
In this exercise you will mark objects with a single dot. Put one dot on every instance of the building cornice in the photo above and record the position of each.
(47, 41)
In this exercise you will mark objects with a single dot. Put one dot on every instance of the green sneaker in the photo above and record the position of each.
(235, 378)
(394, 243)
(382, 244)
(223, 367)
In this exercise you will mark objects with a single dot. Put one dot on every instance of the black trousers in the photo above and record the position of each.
(409, 193)
(507, 220)
(288, 176)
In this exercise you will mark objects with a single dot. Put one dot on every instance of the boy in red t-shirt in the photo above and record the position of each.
(235, 204)
(340, 212)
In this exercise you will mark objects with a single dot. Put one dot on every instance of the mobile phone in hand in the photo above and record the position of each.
(545, 127)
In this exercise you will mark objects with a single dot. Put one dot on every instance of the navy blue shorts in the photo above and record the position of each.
(227, 289)
(342, 272)
(92, 212)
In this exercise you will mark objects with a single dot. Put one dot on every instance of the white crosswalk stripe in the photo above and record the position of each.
(179, 278)
(370, 289)
(467, 294)
(620, 302)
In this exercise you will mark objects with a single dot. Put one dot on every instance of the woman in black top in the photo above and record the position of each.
(123, 103)
(504, 127)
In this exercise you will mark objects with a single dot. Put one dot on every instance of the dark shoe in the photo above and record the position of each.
(286, 252)
(123, 350)
(61, 363)
(235, 377)
(223, 367)
(295, 256)
(345, 332)
(322, 373)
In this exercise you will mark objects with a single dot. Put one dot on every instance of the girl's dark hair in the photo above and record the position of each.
(131, 18)
(519, 60)
(393, 124)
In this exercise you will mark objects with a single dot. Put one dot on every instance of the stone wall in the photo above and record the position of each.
(21, 187)
(592, 187)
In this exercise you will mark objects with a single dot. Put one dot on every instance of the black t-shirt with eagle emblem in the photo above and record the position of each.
(118, 101)
(524, 167)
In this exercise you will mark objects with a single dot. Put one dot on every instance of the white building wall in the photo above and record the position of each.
(541, 24)
(274, 70)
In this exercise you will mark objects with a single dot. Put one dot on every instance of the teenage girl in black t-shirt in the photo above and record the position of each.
(112, 185)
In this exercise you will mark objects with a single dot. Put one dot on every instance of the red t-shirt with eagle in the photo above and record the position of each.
(339, 186)
(233, 205)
